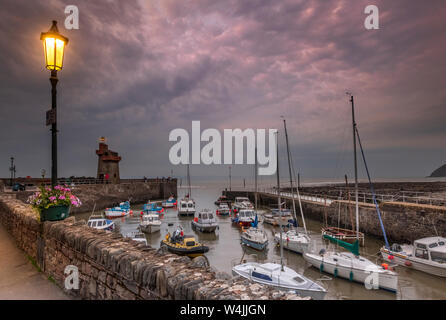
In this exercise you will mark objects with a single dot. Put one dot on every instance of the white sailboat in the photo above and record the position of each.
(293, 240)
(277, 275)
(351, 265)
(187, 204)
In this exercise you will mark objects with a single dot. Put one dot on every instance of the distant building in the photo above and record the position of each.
(108, 163)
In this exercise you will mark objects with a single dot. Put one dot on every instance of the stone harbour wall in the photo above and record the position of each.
(113, 267)
(404, 222)
(98, 197)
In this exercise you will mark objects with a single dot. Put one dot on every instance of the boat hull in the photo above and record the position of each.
(314, 294)
(182, 251)
(111, 214)
(386, 281)
(293, 246)
(150, 228)
(413, 263)
(343, 234)
(186, 213)
(205, 228)
(254, 245)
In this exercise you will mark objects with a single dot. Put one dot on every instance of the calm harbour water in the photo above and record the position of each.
(226, 251)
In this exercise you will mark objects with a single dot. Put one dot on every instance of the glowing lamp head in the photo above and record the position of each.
(53, 44)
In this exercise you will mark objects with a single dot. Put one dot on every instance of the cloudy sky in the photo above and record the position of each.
(135, 70)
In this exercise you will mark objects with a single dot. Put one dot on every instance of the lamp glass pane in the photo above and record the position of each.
(59, 53)
(49, 52)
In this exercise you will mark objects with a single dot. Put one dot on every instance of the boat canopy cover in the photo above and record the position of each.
(353, 248)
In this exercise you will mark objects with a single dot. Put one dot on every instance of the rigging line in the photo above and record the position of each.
(298, 195)
(373, 191)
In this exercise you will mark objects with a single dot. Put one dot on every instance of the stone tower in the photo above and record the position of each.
(108, 163)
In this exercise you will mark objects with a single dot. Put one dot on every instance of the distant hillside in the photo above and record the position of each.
(440, 172)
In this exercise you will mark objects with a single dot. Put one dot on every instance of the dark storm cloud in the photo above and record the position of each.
(137, 69)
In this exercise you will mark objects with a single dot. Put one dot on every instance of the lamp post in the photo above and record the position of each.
(12, 169)
(53, 45)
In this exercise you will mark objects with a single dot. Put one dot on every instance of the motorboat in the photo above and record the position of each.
(204, 221)
(152, 207)
(186, 207)
(254, 238)
(354, 268)
(100, 223)
(138, 237)
(427, 255)
(273, 217)
(344, 234)
(119, 211)
(150, 223)
(244, 217)
(181, 244)
(169, 203)
(281, 277)
(222, 199)
(223, 209)
(294, 240)
(241, 203)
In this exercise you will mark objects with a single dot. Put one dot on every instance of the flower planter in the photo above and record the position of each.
(55, 213)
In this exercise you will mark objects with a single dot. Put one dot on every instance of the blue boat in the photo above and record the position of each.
(152, 207)
(121, 211)
(169, 203)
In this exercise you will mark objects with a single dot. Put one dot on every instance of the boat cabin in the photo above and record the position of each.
(246, 215)
(205, 216)
(431, 248)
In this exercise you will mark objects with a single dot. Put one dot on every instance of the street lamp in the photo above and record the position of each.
(53, 44)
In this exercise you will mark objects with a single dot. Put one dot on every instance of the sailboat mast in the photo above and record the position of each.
(230, 182)
(188, 182)
(279, 204)
(356, 167)
(289, 169)
(255, 182)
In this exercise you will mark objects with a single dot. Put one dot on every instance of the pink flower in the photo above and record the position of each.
(52, 198)
(61, 197)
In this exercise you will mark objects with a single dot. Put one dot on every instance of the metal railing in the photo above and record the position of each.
(363, 197)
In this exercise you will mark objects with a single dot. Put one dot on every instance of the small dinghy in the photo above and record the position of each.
(120, 211)
(150, 223)
(182, 244)
(204, 221)
(152, 207)
(223, 209)
(169, 203)
(100, 223)
(426, 255)
(281, 277)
